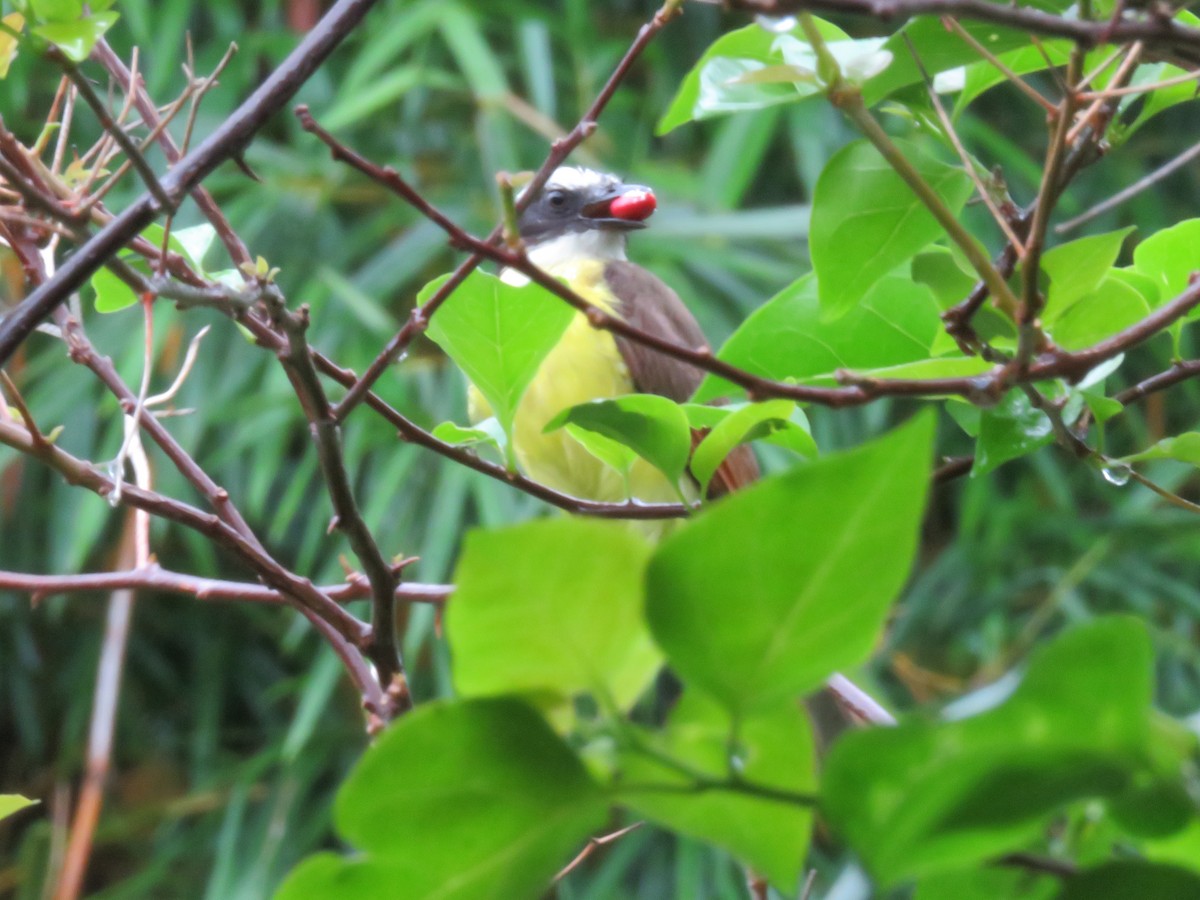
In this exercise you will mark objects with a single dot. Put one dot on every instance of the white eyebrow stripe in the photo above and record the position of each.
(574, 178)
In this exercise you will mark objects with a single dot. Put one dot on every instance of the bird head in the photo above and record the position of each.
(583, 202)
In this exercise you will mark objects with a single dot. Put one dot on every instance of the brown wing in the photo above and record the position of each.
(659, 311)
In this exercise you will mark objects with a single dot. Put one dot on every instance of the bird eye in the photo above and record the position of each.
(557, 200)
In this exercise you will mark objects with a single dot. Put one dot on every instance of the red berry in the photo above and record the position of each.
(634, 205)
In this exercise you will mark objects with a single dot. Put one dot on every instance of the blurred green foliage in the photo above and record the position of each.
(236, 725)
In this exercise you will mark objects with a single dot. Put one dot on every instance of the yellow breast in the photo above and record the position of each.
(584, 365)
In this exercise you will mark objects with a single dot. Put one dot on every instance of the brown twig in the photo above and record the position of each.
(591, 847)
(382, 648)
(153, 577)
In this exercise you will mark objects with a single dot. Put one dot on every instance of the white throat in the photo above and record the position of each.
(595, 244)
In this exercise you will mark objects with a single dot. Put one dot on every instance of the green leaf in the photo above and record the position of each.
(986, 883)
(1183, 447)
(979, 77)
(1127, 879)
(1076, 268)
(77, 38)
(1110, 307)
(655, 428)
(939, 49)
(935, 796)
(486, 433)
(866, 220)
(705, 91)
(112, 293)
(498, 334)
(14, 803)
(1010, 429)
(746, 424)
(1170, 256)
(612, 453)
(9, 41)
(56, 10)
(789, 338)
(764, 595)
(773, 748)
(552, 608)
(475, 799)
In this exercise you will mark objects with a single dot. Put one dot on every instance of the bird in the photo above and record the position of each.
(577, 228)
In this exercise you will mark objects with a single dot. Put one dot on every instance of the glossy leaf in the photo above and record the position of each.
(474, 799)
(764, 595)
(935, 796)
(866, 220)
(1011, 429)
(552, 608)
(773, 749)
(789, 337)
(498, 334)
(653, 427)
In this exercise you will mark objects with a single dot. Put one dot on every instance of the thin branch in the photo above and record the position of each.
(1180, 371)
(1142, 184)
(225, 142)
(592, 846)
(153, 577)
(383, 648)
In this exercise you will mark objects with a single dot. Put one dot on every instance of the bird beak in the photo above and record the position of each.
(626, 207)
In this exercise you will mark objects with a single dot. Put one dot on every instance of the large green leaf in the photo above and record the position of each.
(475, 799)
(498, 333)
(653, 427)
(767, 593)
(934, 796)
(552, 608)
(866, 220)
(772, 749)
(789, 338)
